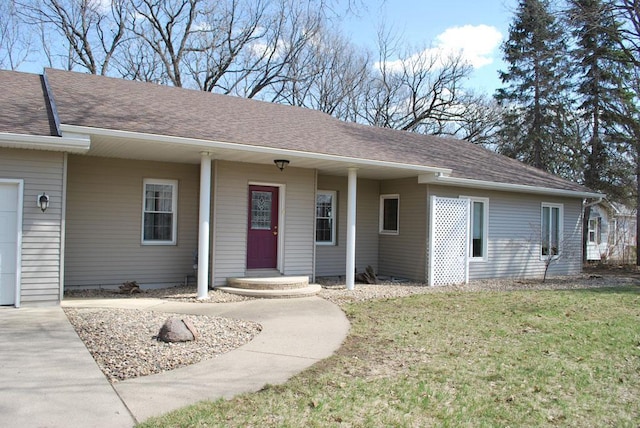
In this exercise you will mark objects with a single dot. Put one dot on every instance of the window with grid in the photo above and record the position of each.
(325, 217)
(159, 216)
(594, 230)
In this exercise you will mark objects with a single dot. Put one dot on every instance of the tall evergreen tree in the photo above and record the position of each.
(628, 11)
(602, 76)
(534, 125)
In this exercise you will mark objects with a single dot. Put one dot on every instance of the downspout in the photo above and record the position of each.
(595, 201)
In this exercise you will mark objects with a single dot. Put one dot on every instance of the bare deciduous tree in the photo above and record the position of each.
(329, 76)
(289, 27)
(226, 31)
(479, 118)
(92, 29)
(15, 42)
(136, 60)
(166, 26)
(417, 91)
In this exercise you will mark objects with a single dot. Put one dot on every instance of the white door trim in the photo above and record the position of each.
(281, 216)
(20, 184)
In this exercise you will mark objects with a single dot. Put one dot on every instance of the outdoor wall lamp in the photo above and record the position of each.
(281, 163)
(42, 201)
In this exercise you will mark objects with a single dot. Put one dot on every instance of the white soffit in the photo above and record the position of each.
(126, 144)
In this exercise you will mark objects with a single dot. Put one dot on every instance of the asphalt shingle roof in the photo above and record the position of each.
(24, 106)
(103, 102)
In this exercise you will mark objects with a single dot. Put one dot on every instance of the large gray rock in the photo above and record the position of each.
(175, 329)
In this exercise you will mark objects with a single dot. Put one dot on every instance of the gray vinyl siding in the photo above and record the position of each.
(331, 259)
(404, 255)
(230, 217)
(514, 234)
(41, 232)
(104, 222)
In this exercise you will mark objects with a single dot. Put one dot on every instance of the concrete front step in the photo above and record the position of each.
(270, 283)
(308, 291)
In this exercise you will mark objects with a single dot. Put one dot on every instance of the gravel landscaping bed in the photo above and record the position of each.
(123, 341)
(337, 294)
(179, 293)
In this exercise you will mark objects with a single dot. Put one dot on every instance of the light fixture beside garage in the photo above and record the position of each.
(42, 201)
(281, 163)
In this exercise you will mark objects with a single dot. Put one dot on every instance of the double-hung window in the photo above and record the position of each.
(390, 214)
(551, 225)
(594, 230)
(479, 228)
(159, 212)
(326, 217)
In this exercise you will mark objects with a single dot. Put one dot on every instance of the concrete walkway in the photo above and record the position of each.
(50, 380)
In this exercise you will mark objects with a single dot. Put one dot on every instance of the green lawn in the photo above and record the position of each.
(525, 358)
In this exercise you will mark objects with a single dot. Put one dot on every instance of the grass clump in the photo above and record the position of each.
(525, 358)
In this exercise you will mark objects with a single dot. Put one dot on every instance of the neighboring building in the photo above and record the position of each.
(612, 233)
(140, 176)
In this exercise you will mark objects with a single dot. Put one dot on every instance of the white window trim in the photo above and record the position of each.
(381, 229)
(334, 213)
(174, 205)
(485, 226)
(560, 229)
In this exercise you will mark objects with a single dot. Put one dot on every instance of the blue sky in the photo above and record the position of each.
(475, 26)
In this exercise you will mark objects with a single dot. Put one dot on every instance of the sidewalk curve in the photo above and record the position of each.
(295, 334)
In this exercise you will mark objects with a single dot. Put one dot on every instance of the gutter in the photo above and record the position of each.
(506, 187)
(42, 142)
(596, 201)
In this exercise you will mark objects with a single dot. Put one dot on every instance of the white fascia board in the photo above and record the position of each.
(506, 187)
(43, 142)
(210, 145)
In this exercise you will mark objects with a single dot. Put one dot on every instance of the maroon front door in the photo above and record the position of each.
(262, 239)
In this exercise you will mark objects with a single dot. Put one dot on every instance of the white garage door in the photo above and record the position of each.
(8, 242)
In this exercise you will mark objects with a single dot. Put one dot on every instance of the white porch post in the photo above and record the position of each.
(351, 227)
(203, 230)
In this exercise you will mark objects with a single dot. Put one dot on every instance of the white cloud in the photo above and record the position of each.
(475, 44)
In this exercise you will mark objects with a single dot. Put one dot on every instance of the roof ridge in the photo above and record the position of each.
(185, 90)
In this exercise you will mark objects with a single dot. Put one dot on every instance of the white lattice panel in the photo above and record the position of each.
(449, 241)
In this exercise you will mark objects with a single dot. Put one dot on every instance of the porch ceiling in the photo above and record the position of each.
(127, 148)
